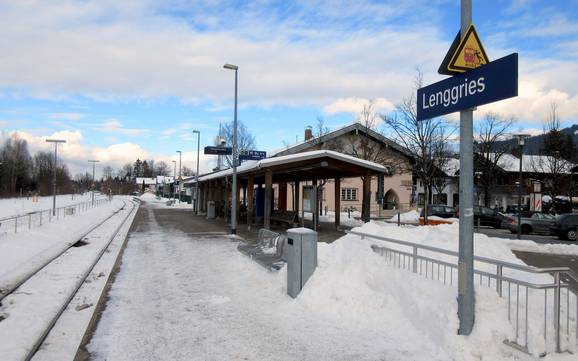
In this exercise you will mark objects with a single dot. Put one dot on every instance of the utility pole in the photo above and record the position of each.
(174, 177)
(93, 185)
(234, 190)
(55, 141)
(197, 174)
(180, 178)
(466, 299)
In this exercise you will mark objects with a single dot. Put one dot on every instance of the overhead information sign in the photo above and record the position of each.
(489, 83)
(219, 150)
(252, 155)
(469, 54)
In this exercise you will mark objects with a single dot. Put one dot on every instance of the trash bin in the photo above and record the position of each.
(301, 256)
(211, 210)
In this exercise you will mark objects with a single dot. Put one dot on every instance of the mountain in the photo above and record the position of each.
(534, 144)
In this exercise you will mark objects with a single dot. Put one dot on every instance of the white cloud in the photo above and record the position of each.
(355, 105)
(67, 116)
(107, 50)
(75, 153)
(110, 50)
(114, 126)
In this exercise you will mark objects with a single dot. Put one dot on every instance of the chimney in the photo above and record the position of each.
(308, 133)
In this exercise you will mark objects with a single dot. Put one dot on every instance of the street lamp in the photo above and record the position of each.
(55, 141)
(174, 177)
(521, 140)
(197, 174)
(234, 193)
(180, 178)
(93, 163)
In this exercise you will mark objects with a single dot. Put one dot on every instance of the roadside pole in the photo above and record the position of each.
(466, 299)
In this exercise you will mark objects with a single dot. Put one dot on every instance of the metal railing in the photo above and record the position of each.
(15, 224)
(544, 314)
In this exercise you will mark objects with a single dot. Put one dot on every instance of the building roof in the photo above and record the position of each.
(164, 179)
(288, 160)
(510, 163)
(355, 127)
(147, 181)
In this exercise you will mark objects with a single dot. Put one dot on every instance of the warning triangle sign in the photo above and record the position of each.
(469, 54)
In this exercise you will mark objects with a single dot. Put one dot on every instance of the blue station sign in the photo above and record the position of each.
(488, 83)
(252, 155)
(219, 150)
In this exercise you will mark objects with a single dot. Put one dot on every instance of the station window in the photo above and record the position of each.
(349, 194)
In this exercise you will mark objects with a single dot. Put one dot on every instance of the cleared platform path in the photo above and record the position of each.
(185, 293)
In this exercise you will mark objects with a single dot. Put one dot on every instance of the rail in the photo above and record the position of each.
(37, 218)
(544, 313)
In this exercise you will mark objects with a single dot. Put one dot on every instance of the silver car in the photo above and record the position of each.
(535, 222)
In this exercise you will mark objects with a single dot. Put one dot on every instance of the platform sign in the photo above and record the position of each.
(494, 81)
(252, 155)
(219, 150)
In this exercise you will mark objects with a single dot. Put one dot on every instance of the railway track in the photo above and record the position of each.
(33, 305)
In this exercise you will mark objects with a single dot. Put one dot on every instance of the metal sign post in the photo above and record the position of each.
(466, 299)
(476, 81)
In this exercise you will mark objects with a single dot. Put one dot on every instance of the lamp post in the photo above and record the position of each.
(180, 178)
(174, 177)
(196, 205)
(521, 140)
(55, 141)
(234, 190)
(93, 163)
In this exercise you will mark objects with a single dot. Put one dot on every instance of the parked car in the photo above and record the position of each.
(439, 210)
(566, 226)
(532, 222)
(488, 217)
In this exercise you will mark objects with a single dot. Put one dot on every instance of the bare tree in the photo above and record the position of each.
(555, 152)
(423, 138)
(15, 171)
(187, 172)
(321, 128)
(162, 168)
(488, 132)
(107, 172)
(245, 140)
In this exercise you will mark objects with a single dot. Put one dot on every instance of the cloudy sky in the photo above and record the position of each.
(125, 79)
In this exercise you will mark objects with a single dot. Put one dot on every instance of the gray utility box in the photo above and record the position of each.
(211, 210)
(301, 257)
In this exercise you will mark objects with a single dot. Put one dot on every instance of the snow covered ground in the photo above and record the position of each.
(347, 220)
(22, 253)
(19, 206)
(182, 297)
(161, 202)
(34, 305)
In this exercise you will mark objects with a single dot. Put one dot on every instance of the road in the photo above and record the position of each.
(538, 259)
(538, 238)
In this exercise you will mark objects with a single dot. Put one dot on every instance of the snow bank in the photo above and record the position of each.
(353, 284)
(162, 202)
(344, 220)
(19, 206)
(407, 217)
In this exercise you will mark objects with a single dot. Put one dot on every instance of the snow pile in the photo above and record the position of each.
(347, 220)
(164, 202)
(353, 284)
(445, 236)
(407, 217)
